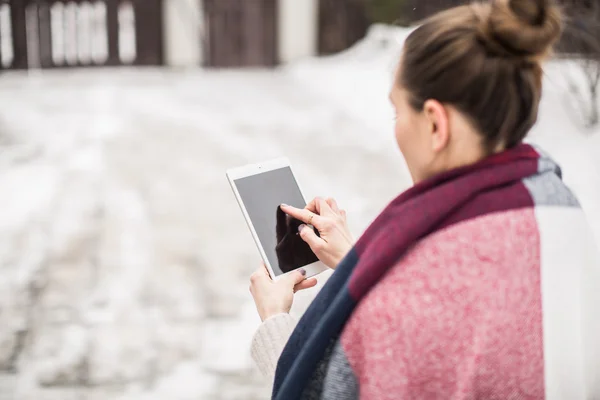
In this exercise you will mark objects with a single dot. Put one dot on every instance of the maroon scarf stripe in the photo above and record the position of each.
(492, 185)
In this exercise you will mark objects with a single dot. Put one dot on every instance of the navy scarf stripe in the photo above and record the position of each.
(314, 331)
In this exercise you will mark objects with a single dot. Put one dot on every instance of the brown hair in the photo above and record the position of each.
(484, 59)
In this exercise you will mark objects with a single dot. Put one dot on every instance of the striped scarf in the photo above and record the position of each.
(511, 180)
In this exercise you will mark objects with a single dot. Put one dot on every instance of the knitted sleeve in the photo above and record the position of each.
(269, 341)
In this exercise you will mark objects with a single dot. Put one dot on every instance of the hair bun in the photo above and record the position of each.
(522, 28)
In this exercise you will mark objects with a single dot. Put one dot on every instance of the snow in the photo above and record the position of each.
(124, 258)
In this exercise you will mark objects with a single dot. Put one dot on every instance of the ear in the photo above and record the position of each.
(439, 124)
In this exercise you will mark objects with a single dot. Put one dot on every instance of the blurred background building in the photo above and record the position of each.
(190, 33)
(124, 259)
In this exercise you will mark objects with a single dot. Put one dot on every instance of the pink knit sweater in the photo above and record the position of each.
(458, 317)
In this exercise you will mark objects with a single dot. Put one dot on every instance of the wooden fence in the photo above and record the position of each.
(341, 24)
(69, 33)
(240, 33)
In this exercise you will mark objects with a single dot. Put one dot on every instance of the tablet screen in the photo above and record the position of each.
(278, 233)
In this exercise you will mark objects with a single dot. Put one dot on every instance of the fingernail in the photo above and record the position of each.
(301, 227)
(284, 205)
(303, 271)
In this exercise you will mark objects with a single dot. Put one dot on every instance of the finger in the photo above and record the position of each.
(324, 208)
(343, 214)
(313, 206)
(265, 270)
(304, 215)
(333, 204)
(310, 237)
(260, 275)
(306, 284)
(261, 271)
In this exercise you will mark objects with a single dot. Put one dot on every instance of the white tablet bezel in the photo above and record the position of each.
(255, 169)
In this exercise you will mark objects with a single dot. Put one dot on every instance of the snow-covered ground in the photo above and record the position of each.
(124, 259)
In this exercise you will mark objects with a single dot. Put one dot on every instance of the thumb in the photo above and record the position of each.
(309, 236)
(296, 277)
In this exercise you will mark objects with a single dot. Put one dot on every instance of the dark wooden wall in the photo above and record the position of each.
(61, 33)
(417, 10)
(244, 32)
(240, 33)
(341, 24)
(582, 28)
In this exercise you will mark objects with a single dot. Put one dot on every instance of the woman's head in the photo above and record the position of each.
(470, 80)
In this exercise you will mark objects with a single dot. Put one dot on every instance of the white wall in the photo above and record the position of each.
(297, 29)
(183, 24)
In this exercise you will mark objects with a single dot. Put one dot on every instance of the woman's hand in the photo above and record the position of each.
(334, 240)
(276, 297)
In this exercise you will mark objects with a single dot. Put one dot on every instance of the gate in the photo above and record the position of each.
(240, 33)
(78, 33)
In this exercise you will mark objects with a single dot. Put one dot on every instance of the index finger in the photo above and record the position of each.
(260, 275)
(265, 270)
(262, 271)
(304, 215)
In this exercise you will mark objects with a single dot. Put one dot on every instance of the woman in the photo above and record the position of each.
(481, 280)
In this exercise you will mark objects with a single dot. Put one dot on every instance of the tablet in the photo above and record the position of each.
(260, 189)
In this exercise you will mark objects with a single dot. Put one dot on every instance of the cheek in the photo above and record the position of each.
(405, 135)
(399, 131)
